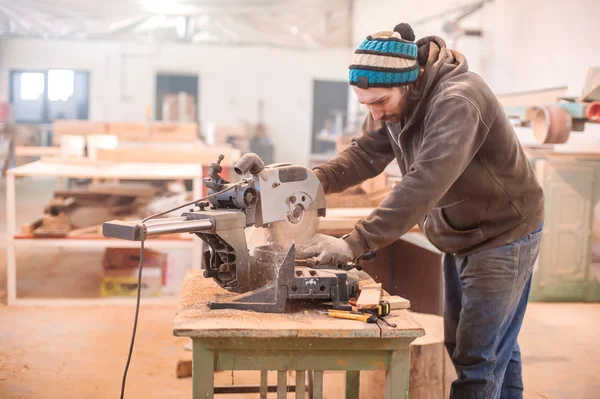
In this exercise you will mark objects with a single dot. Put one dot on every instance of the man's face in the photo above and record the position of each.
(386, 104)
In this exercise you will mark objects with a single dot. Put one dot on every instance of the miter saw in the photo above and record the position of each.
(285, 199)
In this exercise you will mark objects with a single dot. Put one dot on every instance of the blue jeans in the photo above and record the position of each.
(484, 303)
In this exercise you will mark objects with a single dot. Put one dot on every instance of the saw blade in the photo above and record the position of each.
(298, 227)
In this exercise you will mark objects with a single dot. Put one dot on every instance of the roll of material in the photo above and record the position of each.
(593, 111)
(552, 125)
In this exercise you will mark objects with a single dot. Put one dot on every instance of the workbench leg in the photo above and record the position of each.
(300, 384)
(318, 384)
(11, 226)
(352, 384)
(203, 373)
(396, 377)
(281, 384)
(263, 383)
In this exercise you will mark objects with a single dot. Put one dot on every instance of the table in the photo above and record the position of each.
(84, 168)
(302, 340)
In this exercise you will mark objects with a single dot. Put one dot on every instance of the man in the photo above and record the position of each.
(466, 182)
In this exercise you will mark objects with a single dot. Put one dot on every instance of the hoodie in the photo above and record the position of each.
(465, 178)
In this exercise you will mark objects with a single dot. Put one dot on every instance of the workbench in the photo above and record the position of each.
(301, 340)
(85, 169)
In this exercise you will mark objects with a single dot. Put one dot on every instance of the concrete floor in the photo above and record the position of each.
(80, 352)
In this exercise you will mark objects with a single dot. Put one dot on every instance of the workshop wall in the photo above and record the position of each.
(231, 80)
(510, 57)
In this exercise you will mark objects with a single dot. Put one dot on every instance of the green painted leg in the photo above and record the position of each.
(396, 378)
(263, 384)
(352, 384)
(318, 384)
(300, 384)
(203, 373)
(281, 384)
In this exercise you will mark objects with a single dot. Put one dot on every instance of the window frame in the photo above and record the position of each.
(45, 114)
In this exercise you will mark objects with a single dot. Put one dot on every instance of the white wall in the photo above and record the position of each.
(539, 43)
(527, 44)
(232, 80)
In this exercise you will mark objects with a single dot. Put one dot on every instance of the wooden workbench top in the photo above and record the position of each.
(195, 319)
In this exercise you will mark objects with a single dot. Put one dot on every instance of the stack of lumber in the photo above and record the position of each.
(128, 131)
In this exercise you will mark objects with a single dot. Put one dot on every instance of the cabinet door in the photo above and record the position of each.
(560, 273)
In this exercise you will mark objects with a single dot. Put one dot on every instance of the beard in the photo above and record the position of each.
(392, 118)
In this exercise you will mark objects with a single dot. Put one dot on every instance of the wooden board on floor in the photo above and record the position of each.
(369, 297)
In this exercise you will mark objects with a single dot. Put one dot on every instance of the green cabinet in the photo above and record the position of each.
(566, 269)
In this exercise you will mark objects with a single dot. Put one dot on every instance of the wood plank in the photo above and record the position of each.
(397, 302)
(591, 87)
(533, 97)
(200, 155)
(107, 170)
(36, 151)
(62, 127)
(155, 131)
(369, 297)
(29, 228)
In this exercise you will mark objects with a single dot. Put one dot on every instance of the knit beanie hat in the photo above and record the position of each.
(386, 59)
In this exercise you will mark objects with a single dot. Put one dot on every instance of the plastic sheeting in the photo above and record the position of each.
(302, 24)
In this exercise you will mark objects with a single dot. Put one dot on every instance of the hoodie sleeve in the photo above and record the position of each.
(367, 156)
(454, 132)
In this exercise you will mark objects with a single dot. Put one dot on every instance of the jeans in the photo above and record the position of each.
(484, 303)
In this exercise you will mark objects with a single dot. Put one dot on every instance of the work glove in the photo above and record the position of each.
(324, 250)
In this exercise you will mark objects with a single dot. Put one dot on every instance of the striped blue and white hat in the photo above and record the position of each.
(386, 59)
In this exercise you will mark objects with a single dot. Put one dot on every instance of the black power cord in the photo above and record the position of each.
(139, 282)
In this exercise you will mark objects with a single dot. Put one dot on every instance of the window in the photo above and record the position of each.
(43, 96)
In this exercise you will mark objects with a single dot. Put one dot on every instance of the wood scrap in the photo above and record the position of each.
(129, 189)
(95, 229)
(59, 205)
(591, 87)
(29, 228)
(53, 226)
(184, 368)
(396, 302)
(533, 98)
(369, 297)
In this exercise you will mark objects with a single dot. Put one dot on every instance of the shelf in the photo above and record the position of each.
(84, 243)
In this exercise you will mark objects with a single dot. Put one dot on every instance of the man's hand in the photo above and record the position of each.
(323, 250)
